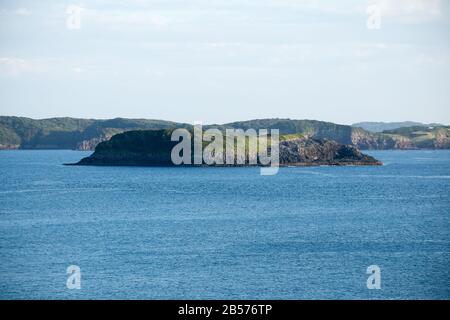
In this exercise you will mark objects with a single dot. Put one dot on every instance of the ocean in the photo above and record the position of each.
(224, 233)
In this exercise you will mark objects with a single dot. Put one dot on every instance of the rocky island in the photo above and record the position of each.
(153, 148)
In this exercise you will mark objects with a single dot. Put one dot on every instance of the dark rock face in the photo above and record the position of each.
(304, 151)
(127, 159)
(153, 148)
(134, 148)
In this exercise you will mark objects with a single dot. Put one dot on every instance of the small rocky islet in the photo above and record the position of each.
(154, 147)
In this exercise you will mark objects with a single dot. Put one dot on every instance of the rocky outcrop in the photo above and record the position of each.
(442, 140)
(304, 151)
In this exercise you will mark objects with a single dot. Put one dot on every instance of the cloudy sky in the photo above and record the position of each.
(223, 60)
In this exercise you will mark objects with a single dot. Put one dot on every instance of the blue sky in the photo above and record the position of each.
(223, 60)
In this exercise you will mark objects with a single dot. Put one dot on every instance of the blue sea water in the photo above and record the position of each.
(224, 233)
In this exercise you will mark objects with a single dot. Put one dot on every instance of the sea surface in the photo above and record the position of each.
(224, 233)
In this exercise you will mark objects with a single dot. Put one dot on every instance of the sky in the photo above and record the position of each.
(218, 61)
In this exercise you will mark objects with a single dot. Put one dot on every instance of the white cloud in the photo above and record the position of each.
(365, 50)
(410, 11)
(22, 12)
(224, 44)
(15, 66)
(15, 12)
(133, 17)
(78, 70)
(433, 60)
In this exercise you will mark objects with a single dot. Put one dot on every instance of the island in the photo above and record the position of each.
(154, 147)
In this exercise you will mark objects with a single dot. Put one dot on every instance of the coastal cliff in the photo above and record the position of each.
(153, 148)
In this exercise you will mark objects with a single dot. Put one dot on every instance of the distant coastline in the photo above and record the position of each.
(86, 134)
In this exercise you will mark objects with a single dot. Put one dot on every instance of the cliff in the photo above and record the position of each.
(153, 148)
(417, 137)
